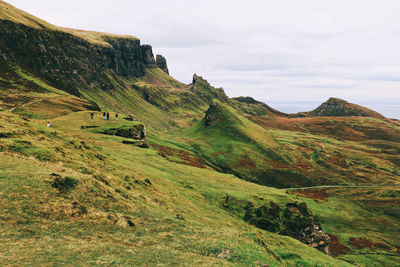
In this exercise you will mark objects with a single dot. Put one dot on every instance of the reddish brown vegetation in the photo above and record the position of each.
(277, 165)
(363, 242)
(304, 149)
(336, 247)
(246, 163)
(317, 194)
(337, 161)
(303, 167)
(381, 203)
(184, 155)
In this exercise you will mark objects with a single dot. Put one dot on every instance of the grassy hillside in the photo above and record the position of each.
(85, 197)
(182, 177)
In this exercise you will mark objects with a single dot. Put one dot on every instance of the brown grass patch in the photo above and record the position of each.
(245, 163)
(336, 247)
(337, 161)
(184, 155)
(363, 242)
(316, 194)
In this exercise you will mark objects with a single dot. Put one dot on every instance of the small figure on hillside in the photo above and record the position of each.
(48, 124)
(91, 115)
(104, 116)
(116, 116)
(108, 116)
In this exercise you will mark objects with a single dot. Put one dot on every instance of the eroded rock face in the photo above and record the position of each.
(162, 63)
(69, 62)
(148, 57)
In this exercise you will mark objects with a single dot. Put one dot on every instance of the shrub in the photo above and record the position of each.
(63, 184)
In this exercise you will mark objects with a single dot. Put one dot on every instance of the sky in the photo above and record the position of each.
(290, 54)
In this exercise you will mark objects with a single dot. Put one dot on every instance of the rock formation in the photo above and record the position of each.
(148, 57)
(162, 63)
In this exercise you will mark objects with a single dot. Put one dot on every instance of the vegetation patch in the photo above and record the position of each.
(179, 156)
(363, 242)
(63, 184)
(317, 194)
(336, 247)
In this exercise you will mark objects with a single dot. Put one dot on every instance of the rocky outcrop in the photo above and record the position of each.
(148, 57)
(135, 131)
(199, 80)
(305, 227)
(202, 88)
(294, 220)
(162, 63)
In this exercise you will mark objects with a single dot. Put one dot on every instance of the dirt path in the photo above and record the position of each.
(339, 186)
(27, 103)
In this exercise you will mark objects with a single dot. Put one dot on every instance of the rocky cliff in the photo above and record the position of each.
(71, 61)
(162, 63)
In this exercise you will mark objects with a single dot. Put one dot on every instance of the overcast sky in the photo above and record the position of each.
(291, 54)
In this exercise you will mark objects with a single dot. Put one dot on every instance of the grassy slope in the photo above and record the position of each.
(86, 224)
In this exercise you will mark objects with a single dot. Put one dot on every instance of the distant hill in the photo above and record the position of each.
(338, 107)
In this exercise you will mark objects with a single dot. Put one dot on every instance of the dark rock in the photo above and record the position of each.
(135, 132)
(143, 145)
(148, 57)
(162, 63)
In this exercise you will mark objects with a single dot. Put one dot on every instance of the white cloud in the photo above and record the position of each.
(276, 51)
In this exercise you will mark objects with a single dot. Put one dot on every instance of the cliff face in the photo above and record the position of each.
(70, 62)
(162, 63)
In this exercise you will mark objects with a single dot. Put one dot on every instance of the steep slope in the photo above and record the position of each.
(231, 143)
